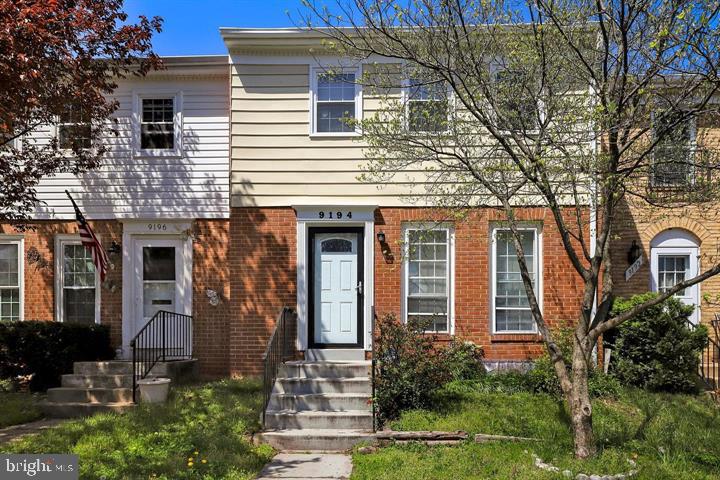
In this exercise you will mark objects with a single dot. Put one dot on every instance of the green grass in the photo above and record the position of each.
(156, 441)
(16, 408)
(671, 437)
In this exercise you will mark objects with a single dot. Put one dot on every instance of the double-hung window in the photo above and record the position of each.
(336, 102)
(427, 106)
(511, 309)
(10, 280)
(74, 130)
(515, 101)
(674, 152)
(157, 124)
(428, 277)
(77, 283)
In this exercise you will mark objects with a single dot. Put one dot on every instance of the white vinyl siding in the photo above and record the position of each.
(428, 274)
(78, 285)
(187, 182)
(510, 307)
(11, 280)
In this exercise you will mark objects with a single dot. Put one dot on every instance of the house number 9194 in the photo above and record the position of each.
(334, 215)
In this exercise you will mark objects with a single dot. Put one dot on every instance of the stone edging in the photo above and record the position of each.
(582, 476)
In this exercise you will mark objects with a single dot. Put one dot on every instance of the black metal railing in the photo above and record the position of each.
(279, 349)
(373, 366)
(167, 336)
(709, 368)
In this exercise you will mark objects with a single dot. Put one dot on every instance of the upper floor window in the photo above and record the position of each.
(515, 102)
(511, 309)
(10, 280)
(428, 274)
(73, 130)
(674, 153)
(427, 106)
(336, 102)
(78, 284)
(157, 127)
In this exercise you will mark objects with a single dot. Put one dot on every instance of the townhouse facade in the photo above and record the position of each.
(232, 191)
(159, 205)
(307, 233)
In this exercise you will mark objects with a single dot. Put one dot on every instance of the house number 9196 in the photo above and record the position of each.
(334, 215)
(157, 226)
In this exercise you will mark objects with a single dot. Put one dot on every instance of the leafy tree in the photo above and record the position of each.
(559, 104)
(59, 61)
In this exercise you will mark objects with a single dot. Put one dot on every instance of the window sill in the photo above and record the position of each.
(516, 337)
(158, 154)
(338, 135)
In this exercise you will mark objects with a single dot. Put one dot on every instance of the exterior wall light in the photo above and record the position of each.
(381, 236)
(633, 253)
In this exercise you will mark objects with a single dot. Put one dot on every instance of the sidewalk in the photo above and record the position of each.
(308, 466)
(17, 431)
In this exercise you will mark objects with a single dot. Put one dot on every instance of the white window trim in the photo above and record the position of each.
(314, 73)
(692, 146)
(60, 242)
(177, 97)
(406, 227)
(18, 240)
(538, 264)
(405, 98)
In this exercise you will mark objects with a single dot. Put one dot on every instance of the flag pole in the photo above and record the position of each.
(78, 213)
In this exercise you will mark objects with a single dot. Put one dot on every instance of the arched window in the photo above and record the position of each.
(336, 245)
(673, 259)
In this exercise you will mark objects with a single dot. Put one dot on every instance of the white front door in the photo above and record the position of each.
(159, 284)
(674, 258)
(337, 288)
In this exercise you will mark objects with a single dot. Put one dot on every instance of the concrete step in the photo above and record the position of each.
(324, 369)
(112, 367)
(292, 419)
(341, 354)
(301, 386)
(330, 402)
(78, 409)
(315, 440)
(89, 395)
(96, 381)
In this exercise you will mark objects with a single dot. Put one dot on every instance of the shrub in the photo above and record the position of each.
(43, 351)
(657, 350)
(412, 365)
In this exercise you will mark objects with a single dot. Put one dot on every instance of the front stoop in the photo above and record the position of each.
(319, 406)
(96, 387)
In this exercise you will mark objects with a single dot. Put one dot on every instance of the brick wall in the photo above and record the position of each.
(209, 271)
(562, 288)
(637, 221)
(263, 279)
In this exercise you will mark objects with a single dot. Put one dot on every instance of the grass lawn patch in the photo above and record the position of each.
(670, 436)
(17, 408)
(203, 432)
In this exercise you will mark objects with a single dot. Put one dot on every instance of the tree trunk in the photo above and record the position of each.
(580, 406)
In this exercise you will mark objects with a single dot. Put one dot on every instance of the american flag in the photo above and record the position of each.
(91, 242)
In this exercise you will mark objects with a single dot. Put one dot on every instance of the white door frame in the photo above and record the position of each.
(677, 242)
(310, 216)
(137, 232)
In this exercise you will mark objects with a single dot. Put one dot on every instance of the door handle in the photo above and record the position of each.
(359, 288)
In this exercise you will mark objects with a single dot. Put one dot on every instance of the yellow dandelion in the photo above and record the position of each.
(196, 452)
(189, 459)
(204, 461)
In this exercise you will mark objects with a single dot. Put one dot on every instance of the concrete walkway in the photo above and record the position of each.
(308, 466)
(17, 431)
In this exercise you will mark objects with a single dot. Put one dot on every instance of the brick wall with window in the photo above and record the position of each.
(43, 240)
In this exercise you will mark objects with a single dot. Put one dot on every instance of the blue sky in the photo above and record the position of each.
(191, 26)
